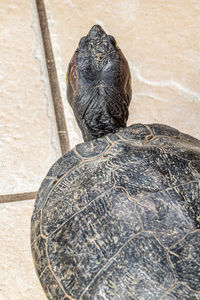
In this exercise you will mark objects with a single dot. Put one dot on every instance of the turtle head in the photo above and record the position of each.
(99, 85)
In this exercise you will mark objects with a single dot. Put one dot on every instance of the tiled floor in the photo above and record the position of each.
(29, 144)
(18, 279)
(161, 42)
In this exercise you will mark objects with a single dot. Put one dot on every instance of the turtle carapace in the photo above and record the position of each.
(118, 216)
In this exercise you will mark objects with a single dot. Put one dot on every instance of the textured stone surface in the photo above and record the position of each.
(18, 278)
(160, 40)
(28, 138)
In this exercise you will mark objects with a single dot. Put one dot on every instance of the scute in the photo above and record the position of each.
(134, 132)
(64, 164)
(92, 148)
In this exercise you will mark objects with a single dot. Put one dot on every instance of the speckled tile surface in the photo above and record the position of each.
(18, 278)
(28, 138)
(161, 41)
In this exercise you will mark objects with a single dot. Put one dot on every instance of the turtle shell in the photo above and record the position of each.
(118, 218)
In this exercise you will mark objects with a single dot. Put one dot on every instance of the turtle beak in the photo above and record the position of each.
(96, 32)
(95, 38)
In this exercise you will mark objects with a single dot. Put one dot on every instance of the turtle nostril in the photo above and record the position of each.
(96, 31)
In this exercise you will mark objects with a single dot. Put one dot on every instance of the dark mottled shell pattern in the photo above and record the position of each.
(118, 218)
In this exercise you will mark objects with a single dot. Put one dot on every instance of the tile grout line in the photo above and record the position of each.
(56, 97)
(53, 78)
(18, 197)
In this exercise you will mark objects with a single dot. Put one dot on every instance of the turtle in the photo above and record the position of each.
(118, 216)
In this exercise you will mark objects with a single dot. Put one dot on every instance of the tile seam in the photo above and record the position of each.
(53, 78)
(56, 97)
(17, 197)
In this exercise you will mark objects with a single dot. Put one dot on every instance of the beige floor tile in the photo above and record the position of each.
(18, 280)
(28, 138)
(161, 42)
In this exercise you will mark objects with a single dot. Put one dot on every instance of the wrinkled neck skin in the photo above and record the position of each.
(101, 110)
(99, 85)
